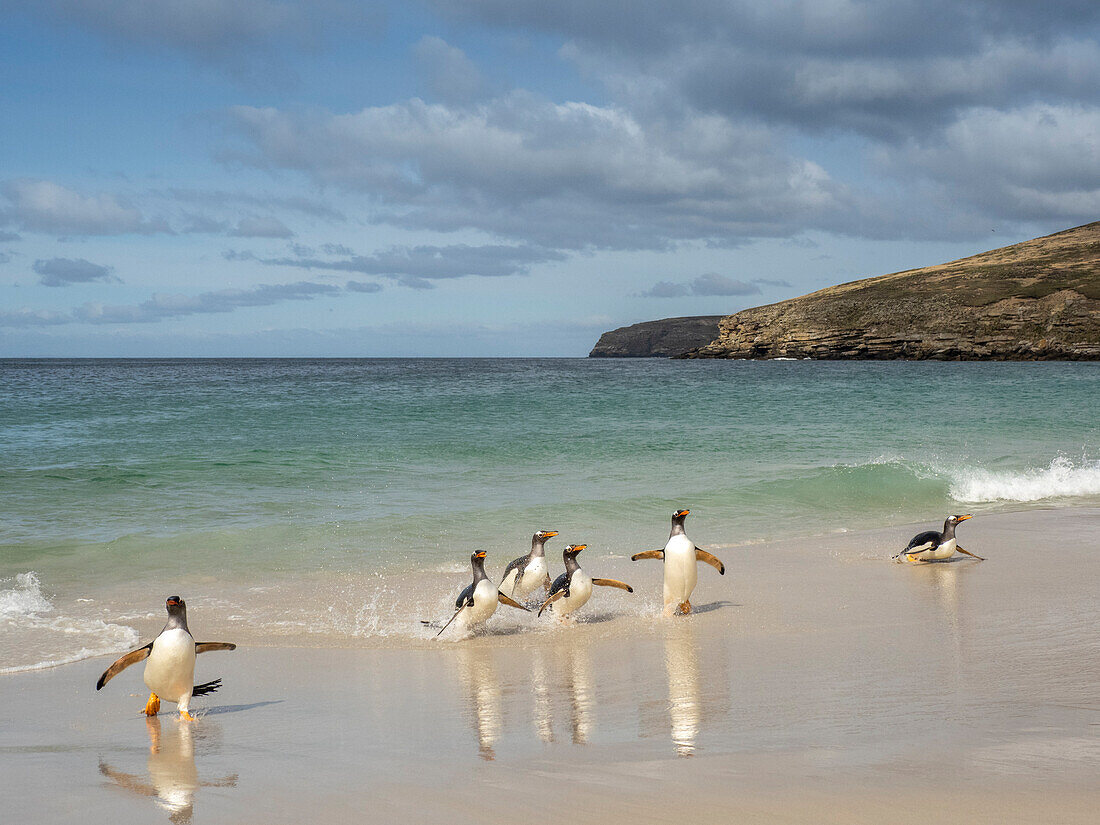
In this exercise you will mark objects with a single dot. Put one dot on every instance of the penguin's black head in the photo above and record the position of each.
(543, 535)
(175, 604)
(572, 550)
(957, 519)
(478, 557)
(679, 516)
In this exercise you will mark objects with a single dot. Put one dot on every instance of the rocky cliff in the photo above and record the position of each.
(1037, 300)
(657, 339)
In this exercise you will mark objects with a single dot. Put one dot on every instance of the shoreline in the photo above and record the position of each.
(385, 609)
(817, 682)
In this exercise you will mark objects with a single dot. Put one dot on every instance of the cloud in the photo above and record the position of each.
(418, 266)
(709, 284)
(248, 39)
(44, 206)
(666, 289)
(66, 271)
(714, 284)
(363, 286)
(447, 72)
(1022, 164)
(906, 82)
(261, 227)
(566, 176)
(9, 236)
(226, 300)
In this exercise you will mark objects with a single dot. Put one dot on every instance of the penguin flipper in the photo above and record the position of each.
(553, 598)
(508, 600)
(206, 647)
(648, 554)
(120, 664)
(455, 616)
(613, 583)
(713, 561)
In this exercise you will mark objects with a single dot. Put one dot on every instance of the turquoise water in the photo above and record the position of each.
(244, 472)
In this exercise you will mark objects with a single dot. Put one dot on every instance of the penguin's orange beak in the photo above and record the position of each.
(549, 533)
(683, 513)
(173, 601)
(963, 518)
(480, 554)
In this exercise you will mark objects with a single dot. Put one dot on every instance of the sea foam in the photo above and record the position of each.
(1062, 479)
(36, 636)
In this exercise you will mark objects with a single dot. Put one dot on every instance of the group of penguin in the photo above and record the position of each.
(572, 589)
(170, 657)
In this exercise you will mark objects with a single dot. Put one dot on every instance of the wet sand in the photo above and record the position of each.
(817, 682)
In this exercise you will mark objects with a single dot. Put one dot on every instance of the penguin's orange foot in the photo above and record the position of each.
(185, 715)
(152, 707)
(685, 608)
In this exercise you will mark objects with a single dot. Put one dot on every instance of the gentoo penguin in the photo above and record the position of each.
(480, 598)
(680, 555)
(573, 588)
(935, 546)
(523, 575)
(170, 671)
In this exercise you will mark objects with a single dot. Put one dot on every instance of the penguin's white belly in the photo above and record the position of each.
(580, 591)
(681, 572)
(484, 606)
(942, 551)
(170, 668)
(534, 575)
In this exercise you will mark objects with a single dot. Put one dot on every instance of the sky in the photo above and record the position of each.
(510, 177)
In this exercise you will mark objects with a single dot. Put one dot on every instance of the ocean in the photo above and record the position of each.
(338, 501)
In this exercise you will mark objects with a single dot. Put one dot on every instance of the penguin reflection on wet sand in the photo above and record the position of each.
(933, 545)
(173, 779)
(170, 669)
(479, 600)
(573, 588)
(680, 555)
(524, 575)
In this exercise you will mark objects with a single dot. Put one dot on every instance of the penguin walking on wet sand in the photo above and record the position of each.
(680, 555)
(573, 588)
(170, 669)
(933, 545)
(524, 575)
(480, 598)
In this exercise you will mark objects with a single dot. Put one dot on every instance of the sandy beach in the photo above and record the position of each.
(817, 682)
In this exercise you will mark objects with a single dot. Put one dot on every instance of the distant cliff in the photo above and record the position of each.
(657, 339)
(1037, 300)
(1033, 301)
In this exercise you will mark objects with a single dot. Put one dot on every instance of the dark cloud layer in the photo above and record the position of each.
(66, 271)
(418, 266)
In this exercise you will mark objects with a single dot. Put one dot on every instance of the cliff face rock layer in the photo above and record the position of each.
(657, 339)
(1037, 300)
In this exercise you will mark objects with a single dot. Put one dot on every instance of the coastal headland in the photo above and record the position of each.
(1033, 301)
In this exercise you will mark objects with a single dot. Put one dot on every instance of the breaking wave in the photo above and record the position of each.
(33, 636)
(1063, 478)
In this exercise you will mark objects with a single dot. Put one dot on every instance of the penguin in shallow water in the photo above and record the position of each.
(933, 545)
(170, 669)
(524, 575)
(680, 555)
(480, 598)
(573, 588)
